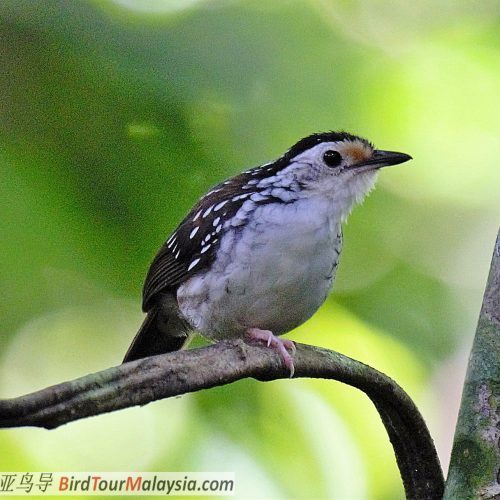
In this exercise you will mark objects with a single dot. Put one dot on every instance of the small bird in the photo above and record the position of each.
(257, 255)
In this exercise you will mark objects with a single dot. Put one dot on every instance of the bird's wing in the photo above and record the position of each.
(178, 259)
(192, 246)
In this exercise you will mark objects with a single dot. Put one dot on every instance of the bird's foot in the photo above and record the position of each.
(282, 346)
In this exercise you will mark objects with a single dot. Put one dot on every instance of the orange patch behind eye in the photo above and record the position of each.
(356, 152)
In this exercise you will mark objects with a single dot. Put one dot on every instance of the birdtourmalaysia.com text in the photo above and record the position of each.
(117, 483)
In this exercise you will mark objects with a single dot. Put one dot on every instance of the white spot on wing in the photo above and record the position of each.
(205, 248)
(197, 215)
(240, 196)
(256, 171)
(193, 232)
(220, 205)
(177, 254)
(207, 211)
(216, 221)
(195, 261)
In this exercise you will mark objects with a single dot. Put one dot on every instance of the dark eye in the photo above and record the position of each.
(332, 158)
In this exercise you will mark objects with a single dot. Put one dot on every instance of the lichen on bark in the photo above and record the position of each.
(475, 461)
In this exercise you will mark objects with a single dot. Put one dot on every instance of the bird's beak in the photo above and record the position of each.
(381, 159)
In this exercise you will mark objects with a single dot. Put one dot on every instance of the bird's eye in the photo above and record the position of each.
(332, 158)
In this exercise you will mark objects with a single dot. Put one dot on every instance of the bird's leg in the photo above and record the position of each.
(280, 345)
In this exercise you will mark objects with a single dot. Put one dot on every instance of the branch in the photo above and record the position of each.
(475, 460)
(167, 375)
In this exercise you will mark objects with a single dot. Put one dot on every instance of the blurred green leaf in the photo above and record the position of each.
(115, 116)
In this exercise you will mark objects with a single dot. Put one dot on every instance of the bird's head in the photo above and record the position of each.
(337, 165)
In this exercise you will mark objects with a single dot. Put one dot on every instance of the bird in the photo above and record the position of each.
(257, 255)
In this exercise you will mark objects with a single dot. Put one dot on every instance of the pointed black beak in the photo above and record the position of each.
(382, 158)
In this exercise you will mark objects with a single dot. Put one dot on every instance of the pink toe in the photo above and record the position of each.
(290, 345)
(277, 344)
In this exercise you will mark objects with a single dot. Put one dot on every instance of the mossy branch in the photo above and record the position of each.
(167, 375)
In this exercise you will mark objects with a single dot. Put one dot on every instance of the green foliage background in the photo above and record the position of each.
(116, 115)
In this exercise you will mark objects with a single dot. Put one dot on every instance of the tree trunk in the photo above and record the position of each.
(475, 460)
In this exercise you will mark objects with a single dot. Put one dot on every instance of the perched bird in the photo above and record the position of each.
(257, 255)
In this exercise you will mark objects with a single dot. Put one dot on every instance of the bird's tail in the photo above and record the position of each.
(161, 331)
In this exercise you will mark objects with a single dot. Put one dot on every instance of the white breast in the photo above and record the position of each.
(271, 273)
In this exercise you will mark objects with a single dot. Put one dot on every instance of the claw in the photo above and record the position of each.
(281, 346)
